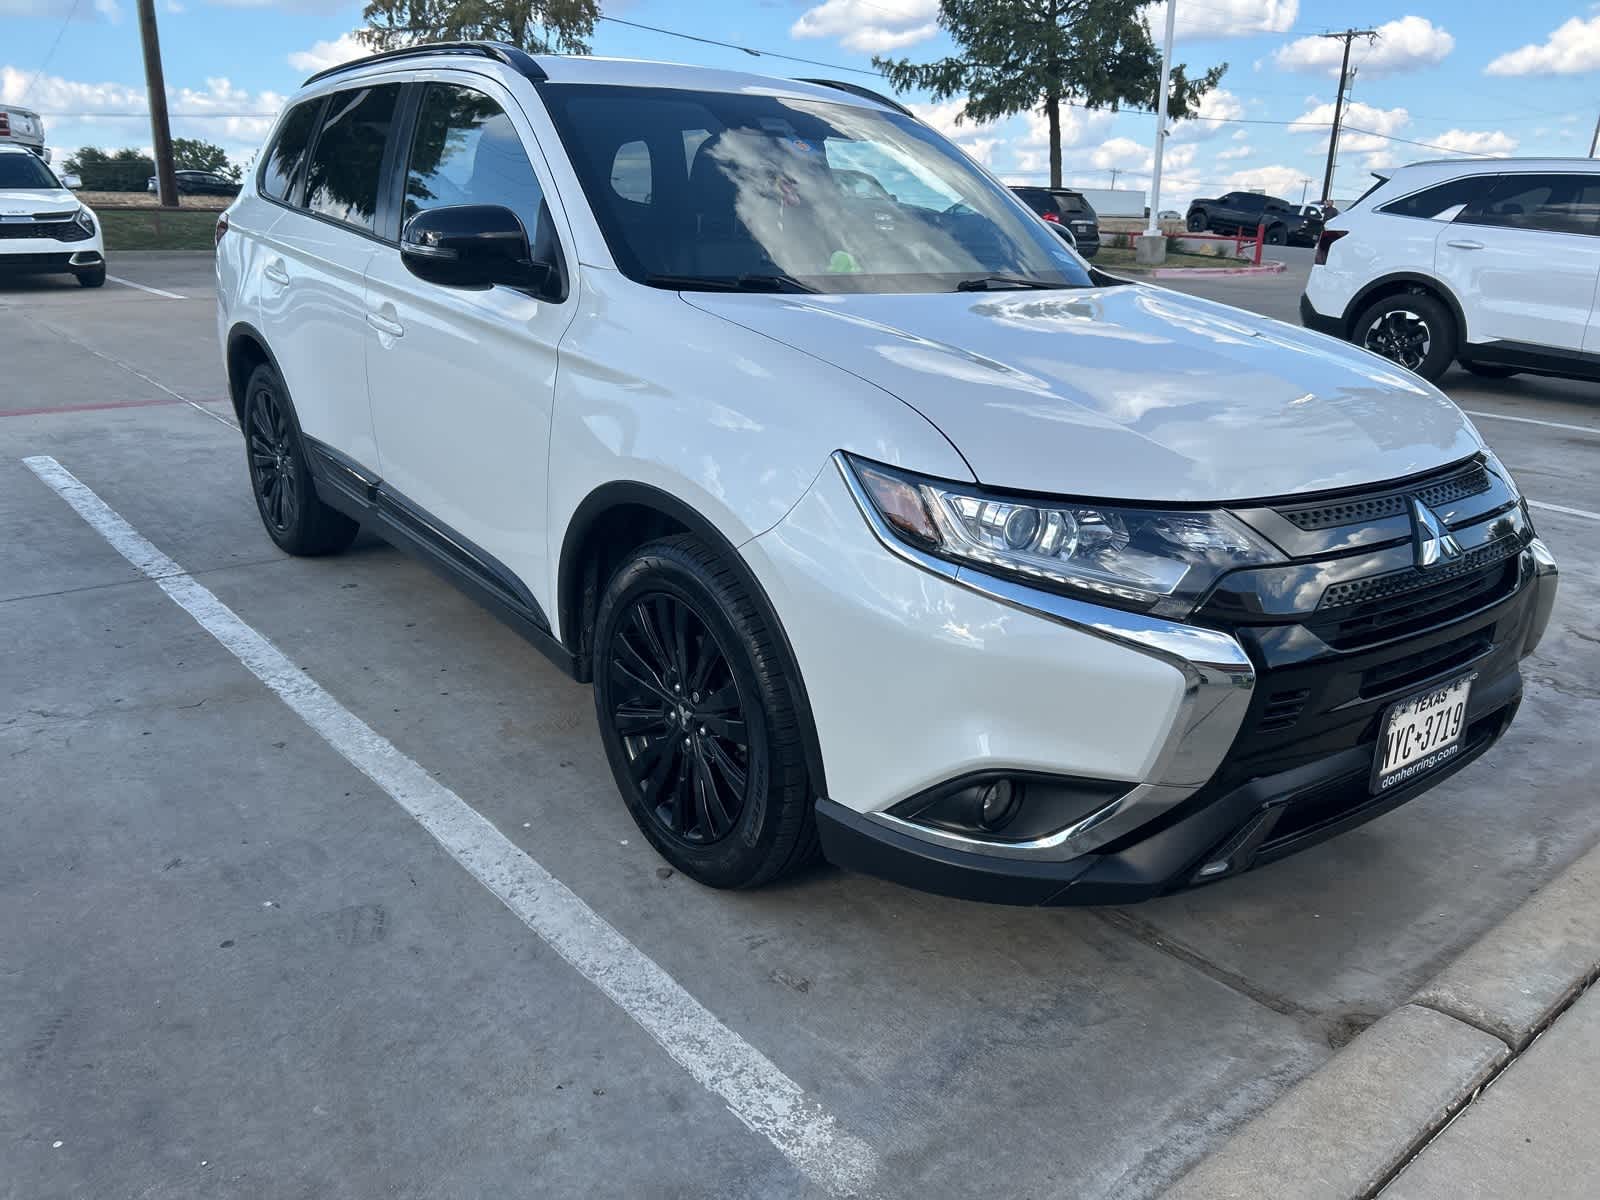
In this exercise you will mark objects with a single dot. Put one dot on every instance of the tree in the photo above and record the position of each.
(192, 154)
(1022, 55)
(537, 26)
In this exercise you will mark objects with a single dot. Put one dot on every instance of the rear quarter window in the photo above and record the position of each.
(1443, 201)
(286, 155)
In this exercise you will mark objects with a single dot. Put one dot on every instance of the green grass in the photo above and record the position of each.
(139, 230)
(1122, 259)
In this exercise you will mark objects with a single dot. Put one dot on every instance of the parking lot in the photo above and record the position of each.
(253, 951)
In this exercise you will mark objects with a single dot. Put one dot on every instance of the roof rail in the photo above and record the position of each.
(518, 60)
(867, 93)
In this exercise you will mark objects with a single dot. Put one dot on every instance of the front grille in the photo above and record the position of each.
(1398, 674)
(1389, 606)
(61, 231)
(1467, 482)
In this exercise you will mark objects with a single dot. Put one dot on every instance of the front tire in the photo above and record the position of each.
(695, 713)
(1196, 222)
(294, 517)
(1412, 329)
(1275, 235)
(92, 278)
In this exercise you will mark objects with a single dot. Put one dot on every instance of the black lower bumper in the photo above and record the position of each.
(49, 262)
(1274, 795)
(1312, 319)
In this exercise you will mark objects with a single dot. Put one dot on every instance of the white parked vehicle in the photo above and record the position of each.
(44, 228)
(22, 127)
(1492, 263)
(879, 521)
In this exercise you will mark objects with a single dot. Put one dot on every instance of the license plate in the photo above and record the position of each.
(1420, 734)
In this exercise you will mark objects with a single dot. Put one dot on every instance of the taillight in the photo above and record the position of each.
(222, 227)
(1327, 238)
(1051, 217)
(5, 124)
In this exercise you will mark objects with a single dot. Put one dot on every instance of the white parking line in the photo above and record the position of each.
(755, 1090)
(1473, 412)
(1562, 508)
(143, 288)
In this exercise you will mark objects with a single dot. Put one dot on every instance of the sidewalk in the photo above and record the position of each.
(1487, 1084)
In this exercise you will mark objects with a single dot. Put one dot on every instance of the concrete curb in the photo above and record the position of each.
(1267, 268)
(1345, 1130)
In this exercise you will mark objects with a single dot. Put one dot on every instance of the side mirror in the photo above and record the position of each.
(72, 182)
(470, 246)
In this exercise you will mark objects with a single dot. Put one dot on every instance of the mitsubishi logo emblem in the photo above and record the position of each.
(1434, 543)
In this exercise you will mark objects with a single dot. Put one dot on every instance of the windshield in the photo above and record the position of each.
(24, 171)
(711, 187)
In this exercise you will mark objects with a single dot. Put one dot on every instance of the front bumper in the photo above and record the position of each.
(1312, 319)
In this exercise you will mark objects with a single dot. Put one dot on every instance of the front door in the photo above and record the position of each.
(462, 380)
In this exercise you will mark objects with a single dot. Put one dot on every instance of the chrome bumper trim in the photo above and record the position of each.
(1545, 577)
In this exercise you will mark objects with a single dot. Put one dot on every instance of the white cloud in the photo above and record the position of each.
(1404, 45)
(1225, 18)
(1234, 152)
(1362, 124)
(1125, 154)
(1217, 106)
(1475, 141)
(1284, 182)
(218, 112)
(1570, 50)
(870, 26)
(322, 55)
(1079, 126)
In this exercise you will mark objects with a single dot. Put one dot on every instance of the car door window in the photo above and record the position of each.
(467, 151)
(1551, 203)
(283, 161)
(342, 182)
(1443, 201)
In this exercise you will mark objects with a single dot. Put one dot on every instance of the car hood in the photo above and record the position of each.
(24, 202)
(1126, 392)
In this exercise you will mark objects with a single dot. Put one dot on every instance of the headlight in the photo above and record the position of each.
(1161, 561)
(85, 219)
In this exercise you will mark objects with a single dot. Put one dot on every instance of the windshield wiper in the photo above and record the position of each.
(730, 283)
(984, 282)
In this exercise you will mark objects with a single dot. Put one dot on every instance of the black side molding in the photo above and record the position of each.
(866, 93)
(362, 496)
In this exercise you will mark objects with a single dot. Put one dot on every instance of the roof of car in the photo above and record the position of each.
(1491, 166)
(13, 148)
(562, 68)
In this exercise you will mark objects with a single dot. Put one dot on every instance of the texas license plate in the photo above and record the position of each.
(1420, 734)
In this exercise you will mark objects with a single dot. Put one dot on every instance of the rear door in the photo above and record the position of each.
(462, 380)
(1524, 260)
(313, 291)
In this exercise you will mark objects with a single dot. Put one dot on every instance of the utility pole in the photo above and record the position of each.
(1153, 228)
(1348, 36)
(1115, 171)
(160, 127)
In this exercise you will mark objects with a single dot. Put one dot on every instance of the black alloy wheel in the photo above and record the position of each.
(1196, 222)
(676, 705)
(280, 478)
(1412, 329)
(695, 695)
(1401, 336)
(272, 460)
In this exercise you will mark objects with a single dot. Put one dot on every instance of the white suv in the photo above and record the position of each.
(1492, 263)
(881, 523)
(44, 228)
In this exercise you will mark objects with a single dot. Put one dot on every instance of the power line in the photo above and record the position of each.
(750, 50)
(51, 53)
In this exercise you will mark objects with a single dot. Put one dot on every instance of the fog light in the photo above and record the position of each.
(998, 803)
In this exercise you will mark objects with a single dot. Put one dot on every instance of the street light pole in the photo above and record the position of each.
(160, 127)
(1154, 226)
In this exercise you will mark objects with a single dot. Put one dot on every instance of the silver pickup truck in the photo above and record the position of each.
(22, 127)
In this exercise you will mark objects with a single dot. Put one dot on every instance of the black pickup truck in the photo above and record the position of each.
(1241, 212)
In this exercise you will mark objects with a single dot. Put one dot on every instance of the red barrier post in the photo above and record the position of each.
(1261, 234)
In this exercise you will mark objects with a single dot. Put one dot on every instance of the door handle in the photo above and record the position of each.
(384, 325)
(1466, 245)
(274, 271)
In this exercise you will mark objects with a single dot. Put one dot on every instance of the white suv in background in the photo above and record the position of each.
(1491, 263)
(44, 228)
(881, 524)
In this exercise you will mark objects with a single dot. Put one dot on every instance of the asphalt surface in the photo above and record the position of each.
(235, 965)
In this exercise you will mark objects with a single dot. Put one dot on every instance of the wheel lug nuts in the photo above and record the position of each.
(702, 731)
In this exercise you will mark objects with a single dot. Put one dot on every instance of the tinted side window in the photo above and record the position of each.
(1442, 201)
(1553, 203)
(1039, 201)
(343, 180)
(1249, 203)
(466, 151)
(288, 150)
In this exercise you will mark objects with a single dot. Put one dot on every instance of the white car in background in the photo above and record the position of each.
(22, 127)
(1492, 263)
(883, 525)
(44, 228)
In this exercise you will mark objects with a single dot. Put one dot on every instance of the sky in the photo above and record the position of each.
(1440, 79)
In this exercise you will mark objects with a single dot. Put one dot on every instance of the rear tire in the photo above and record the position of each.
(1490, 370)
(286, 499)
(93, 277)
(693, 701)
(1412, 329)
